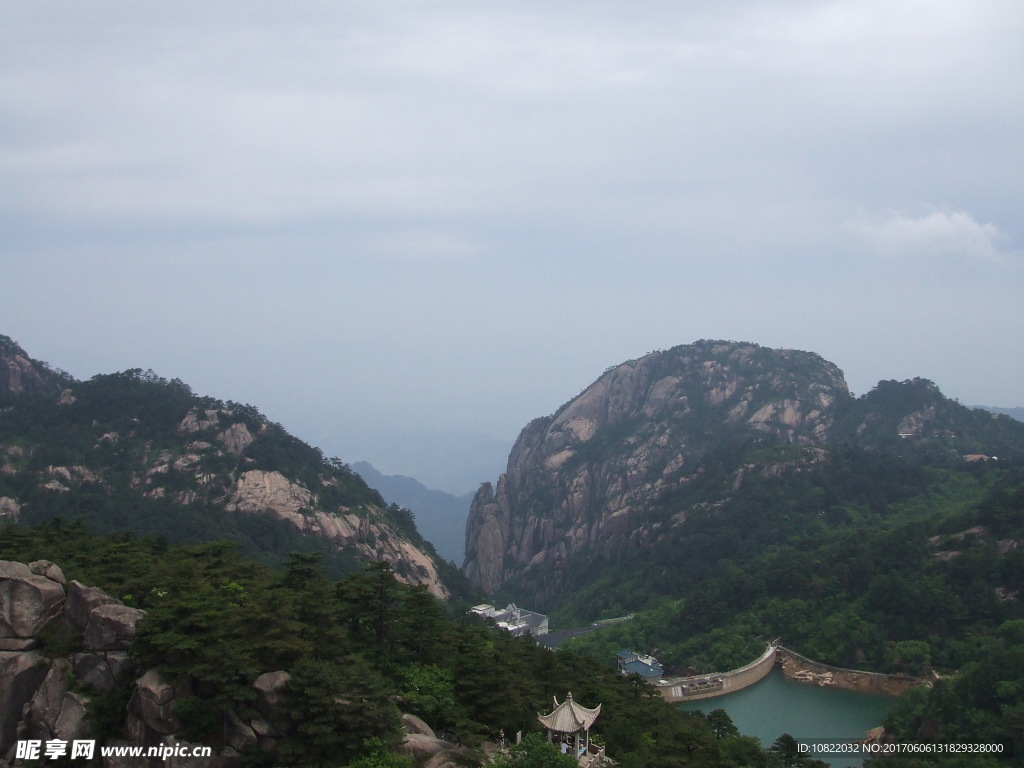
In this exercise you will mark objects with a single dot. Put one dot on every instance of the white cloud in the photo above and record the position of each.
(934, 234)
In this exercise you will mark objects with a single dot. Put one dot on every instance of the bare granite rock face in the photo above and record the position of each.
(21, 674)
(55, 712)
(36, 701)
(586, 477)
(196, 420)
(28, 601)
(19, 375)
(153, 703)
(101, 671)
(111, 627)
(49, 570)
(413, 724)
(236, 438)
(82, 601)
(260, 491)
(271, 690)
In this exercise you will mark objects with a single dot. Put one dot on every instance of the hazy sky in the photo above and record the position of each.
(384, 221)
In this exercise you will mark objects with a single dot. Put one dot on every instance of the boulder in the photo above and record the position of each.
(413, 724)
(72, 723)
(101, 671)
(238, 734)
(419, 744)
(442, 760)
(264, 729)
(39, 718)
(49, 570)
(270, 690)
(18, 643)
(21, 674)
(153, 702)
(267, 735)
(82, 600)
(111, 627)
(27, 600)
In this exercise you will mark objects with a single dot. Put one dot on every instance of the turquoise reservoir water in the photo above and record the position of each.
(776, 705)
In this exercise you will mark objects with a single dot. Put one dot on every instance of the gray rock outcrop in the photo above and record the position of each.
(21, 675)
(585, 478)
(111, 627)
(153, 703)
(19, 375)
(28, 601)
(36, 700)
(55, 712)
(271, 689)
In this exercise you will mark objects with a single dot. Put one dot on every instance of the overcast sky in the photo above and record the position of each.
(382, 222)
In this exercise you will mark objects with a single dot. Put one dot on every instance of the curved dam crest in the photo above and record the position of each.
(794, 667)
(719, 683)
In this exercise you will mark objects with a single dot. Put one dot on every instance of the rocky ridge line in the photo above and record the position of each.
(585, 477)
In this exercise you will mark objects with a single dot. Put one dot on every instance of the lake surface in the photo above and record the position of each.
(776, 705)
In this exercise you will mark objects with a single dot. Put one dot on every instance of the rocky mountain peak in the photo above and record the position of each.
(134, 440)
(584, 477)
(20, 374)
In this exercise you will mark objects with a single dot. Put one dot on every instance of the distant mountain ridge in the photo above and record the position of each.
(440, 516)
(132, 451)
(655, 441)
(1013, 413)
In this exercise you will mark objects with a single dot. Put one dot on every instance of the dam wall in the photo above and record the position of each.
(718, 683)
(804, 670)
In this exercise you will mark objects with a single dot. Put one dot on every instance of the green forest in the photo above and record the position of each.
(932, 590)
(360, 651)
(133, 468)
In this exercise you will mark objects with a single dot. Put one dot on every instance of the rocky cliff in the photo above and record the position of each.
(20, 374)
(37, 698)
(585, 477)
(616, 468)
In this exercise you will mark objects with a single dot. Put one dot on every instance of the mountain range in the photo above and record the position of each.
(132, 451)
(719, 493)
(662, 449)
(440, 516)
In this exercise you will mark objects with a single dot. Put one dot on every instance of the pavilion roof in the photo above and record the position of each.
(569, 717)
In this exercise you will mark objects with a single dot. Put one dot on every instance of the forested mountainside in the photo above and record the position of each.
(708, 452)
(440, 516)
(132, 451)
(131, 641)
(725, 495)
(1013, 413)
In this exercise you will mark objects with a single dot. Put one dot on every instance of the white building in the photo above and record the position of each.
(517, 621)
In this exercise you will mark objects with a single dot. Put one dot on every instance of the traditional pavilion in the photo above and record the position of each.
(572, 724)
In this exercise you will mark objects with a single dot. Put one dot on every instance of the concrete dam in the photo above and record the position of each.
(719, 683)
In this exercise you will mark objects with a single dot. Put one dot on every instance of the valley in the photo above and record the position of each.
(722, 494)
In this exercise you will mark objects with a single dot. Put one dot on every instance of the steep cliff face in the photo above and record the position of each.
(21, 375)
(721, 448)
(586, 477)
